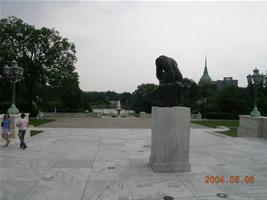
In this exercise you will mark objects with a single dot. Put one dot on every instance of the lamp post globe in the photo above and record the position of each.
(13, 73)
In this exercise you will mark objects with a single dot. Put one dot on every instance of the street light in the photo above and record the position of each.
(14, 73)
(255, 80)
(202, 102)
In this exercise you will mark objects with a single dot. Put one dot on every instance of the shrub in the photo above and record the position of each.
(221, 115)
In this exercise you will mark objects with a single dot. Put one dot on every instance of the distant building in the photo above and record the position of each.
(227, 81)
(205, 78)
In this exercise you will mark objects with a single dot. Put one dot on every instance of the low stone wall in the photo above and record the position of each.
(196, 116)
(147, 115)
(264, 127)
(252, 126)
(100, 115)
(144, 115)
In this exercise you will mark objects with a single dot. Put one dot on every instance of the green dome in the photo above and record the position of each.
(205, 79)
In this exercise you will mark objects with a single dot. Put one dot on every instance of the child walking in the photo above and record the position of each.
(6, 128)
(22, 124)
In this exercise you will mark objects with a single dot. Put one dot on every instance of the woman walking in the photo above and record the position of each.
(6, 128)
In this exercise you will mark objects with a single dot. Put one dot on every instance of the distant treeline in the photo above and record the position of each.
(226, 103)
(212, 102)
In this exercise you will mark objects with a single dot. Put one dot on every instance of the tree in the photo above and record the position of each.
(138, 102)
(46, 57)
(70, 93)
(234, 100)
(190, 93)
(111, 96)
(208, 90)
(125, 99)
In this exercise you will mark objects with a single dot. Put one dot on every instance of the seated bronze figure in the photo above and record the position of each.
(168, 93)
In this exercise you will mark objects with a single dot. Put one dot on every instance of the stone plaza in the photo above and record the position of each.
(112, 163)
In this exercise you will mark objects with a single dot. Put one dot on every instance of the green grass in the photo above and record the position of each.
(134, 114)
(231, 124)
(35, 132)
(232, 132)
(38, 122)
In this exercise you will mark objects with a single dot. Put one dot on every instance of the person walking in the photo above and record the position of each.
(22, 124)
(6, 128)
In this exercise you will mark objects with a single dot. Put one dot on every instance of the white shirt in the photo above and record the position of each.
(22, 124)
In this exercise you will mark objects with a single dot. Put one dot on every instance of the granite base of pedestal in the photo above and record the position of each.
(170, 139)
(252, 126)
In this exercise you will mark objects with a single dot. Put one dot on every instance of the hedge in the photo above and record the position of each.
(221, 115)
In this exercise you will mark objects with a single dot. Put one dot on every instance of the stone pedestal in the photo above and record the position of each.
(170, 139)
(13, 128)
(252, 126)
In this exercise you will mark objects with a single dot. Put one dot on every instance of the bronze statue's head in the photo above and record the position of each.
(167, 70)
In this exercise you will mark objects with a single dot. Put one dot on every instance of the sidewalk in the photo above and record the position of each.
(112, 164)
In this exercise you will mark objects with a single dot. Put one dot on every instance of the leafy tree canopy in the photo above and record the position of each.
(47, 58)
(138, 101)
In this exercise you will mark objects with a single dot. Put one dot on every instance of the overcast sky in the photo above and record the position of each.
(118, 42)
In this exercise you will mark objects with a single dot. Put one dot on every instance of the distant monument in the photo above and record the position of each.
(118, 107)
(170, 83)
(170, 123)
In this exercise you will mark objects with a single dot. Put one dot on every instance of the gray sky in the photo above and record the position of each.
(118, 42)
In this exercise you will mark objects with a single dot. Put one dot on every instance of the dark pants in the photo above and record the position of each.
(21, 137)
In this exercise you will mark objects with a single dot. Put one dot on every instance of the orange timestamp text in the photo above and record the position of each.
(229, 179)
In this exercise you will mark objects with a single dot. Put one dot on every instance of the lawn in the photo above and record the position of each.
(35, 132)
(232, 132)
(231, 124)
(38, 122)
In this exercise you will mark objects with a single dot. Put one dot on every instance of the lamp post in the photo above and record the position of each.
(255, 80)
(14, 73)
(202, 102)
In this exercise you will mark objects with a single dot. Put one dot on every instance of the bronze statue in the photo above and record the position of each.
(169, 91)
(167, 70)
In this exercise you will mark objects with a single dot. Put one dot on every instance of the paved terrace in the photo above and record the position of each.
(112, 164)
